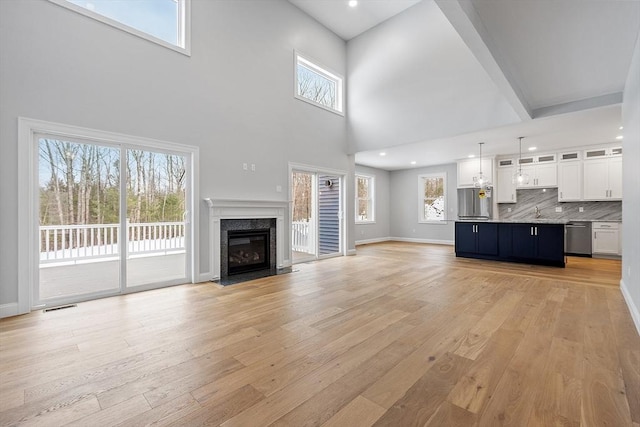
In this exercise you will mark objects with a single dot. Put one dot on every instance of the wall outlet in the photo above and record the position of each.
(580, 209)
(244, 166)
(508, 209)
(559, 209)
(278, 188)
(253, 167)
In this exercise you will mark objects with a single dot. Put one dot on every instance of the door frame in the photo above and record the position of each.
(300, 167)
(28, 236)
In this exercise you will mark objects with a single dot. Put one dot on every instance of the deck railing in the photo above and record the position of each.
(301, 236)
(60, 243)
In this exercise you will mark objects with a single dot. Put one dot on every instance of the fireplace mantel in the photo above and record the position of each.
(245, 209)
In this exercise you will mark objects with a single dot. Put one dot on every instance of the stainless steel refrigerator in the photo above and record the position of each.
(471, 206)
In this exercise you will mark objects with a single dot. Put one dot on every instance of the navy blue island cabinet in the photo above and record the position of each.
(532, 243)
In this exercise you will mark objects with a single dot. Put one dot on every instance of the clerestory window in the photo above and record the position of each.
(165, 22)
(318, 86)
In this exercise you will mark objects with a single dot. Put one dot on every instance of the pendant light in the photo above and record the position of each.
(481, 180)
(519, 177)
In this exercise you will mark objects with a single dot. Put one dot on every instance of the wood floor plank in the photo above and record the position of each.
(604, 399)
(424, 397)
(360, 411)
(401, 334)
(112, 416)
(174, 410)
(386, 391)
(474, 389)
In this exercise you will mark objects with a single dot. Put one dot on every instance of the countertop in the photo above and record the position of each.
(537, 220)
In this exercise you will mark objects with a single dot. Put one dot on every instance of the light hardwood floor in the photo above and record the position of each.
(399, 335)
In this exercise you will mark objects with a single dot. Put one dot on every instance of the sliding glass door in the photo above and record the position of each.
(316, 228)
(79, 215)
(112, 218)
(156, 208)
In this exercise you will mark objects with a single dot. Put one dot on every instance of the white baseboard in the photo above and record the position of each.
(351, 252)
(204, 277)
(633, 309)
(376, 240)
(431, 241)
(8, 310)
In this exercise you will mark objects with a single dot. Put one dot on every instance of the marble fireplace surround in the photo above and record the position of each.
(220, 209)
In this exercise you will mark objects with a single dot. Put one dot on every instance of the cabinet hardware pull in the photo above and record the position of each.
(532, 231)
(536, 231)
(595, 235)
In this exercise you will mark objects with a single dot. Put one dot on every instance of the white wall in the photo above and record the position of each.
(403, 201)
(631, 188)
(379, 230)
(412, 79)
(233, 97)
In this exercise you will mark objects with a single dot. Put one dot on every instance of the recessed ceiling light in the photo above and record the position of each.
(533, 148)
(353, 3)
(619, 137)
(621, 127)
(383, 153)
(413, 162)
(471, 156)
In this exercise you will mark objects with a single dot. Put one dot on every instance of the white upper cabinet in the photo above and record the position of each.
(542, 171)
(603, 174)
(506, 188)
(468, 170)
(569, 181)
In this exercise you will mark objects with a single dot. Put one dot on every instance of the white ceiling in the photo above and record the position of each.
(555, 133)
(563, 50)
(349, 22)
(428, 82)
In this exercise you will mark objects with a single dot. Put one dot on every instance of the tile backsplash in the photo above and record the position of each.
(547, 202)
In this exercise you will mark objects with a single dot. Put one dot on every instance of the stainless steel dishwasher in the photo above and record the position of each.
(577, 238)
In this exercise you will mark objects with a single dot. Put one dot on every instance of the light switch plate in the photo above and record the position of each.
(558, 209)
(580, 209)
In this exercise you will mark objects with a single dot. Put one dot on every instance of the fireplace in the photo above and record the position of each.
(248, 250)
(236, 215)
(247, 245)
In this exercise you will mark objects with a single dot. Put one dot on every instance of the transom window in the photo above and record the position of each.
(162, 21)
(365, 198)
(432, 197)
(318, 86)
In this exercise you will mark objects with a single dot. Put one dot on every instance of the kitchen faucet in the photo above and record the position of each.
(536, 211)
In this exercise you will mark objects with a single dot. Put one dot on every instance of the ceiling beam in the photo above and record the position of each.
(467, 23)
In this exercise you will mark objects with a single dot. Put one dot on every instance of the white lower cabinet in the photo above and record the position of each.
(606, 238)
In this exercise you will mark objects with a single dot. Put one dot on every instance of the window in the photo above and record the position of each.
(318, 86)
(364, 199)
(162, 21)
(432, 197)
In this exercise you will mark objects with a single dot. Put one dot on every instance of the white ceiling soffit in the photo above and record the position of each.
(555, 133)
(572, 53)
(349, 22)
(412, 78)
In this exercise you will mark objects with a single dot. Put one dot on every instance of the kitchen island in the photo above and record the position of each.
(535, 242)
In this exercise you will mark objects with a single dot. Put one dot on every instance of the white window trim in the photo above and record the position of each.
(28, 243)
(372, 192)
(323, 71)
(184, 25)
(421, 177)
